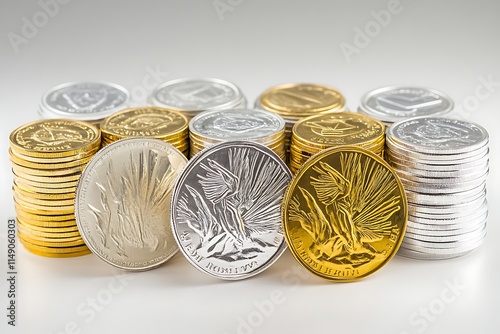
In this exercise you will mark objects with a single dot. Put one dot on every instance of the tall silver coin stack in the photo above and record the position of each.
(443, 164)
(192, 96)
(396, 103)
(84, 101)
(212, 127)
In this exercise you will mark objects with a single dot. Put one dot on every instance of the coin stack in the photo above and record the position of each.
(47, 158)
(313, 134)
(83, 101)
(153, 122)
(212, 127)
(192, 96)
(397, 103)
(443, 164)
(296, 101)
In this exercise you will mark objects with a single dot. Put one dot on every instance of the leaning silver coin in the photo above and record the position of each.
(225, 210)
(122, 202)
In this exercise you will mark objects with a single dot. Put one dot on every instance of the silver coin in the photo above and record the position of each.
(439, 238)
(423, 157)
(449, 199)
(477, 175)
(458, 208)
(445, 219)
(440, 188)
(237, 124)
(437, 135)
(443, 247)
(192, 95)
(393, 104)
(226, 209)
(421, 167)
(418, 255)
(85, 101)
(122, 202)
(447, 225)
(443, 231)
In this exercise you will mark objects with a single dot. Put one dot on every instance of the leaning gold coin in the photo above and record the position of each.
(344, 214)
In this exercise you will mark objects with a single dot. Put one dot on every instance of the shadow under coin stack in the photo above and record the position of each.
(48, 157)
(296, 101)
(152, 122)
(212, 127)
(316, 133)
(443, 164)
(83, 101)
(191, 96)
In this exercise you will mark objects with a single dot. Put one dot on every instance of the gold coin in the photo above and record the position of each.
(55, 251)
(43, 190)
(43, 209)
(54, 138)
(34, 224)
(49, 235)
(335, 129)
(47, 179)
(71, 158)
(45, 185)
(48, 166)
(51, 242)
(344, 214)
(294, 101)
(42, 195)
(73, 228)
(43, 215)
(47, 172)
(34, 202)
(153, 122)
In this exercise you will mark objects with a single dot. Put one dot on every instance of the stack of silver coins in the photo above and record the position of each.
(443, 164)
(192, 96)
(84, 101)
(394, 104)
(212, 127)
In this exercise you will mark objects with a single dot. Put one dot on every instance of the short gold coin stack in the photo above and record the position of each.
(313, 134)
(296, 101)
(48, 157)
(153, 122)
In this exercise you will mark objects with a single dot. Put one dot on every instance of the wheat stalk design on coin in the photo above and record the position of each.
(138, 197)
(354, 207)
(236, 214)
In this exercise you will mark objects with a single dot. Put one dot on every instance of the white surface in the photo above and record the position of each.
(446, 45)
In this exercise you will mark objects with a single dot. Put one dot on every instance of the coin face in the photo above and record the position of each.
(344, 128)
(226, 209)
(190, 94)
(54, 138)
(392, 104)
(84, 100)
(152, 122)
(122, 202)
(237, 124)
(439, 135)
(344, 214)
(300, 100)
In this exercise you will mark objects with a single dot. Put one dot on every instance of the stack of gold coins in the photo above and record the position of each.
(296, 101)
(316, 133)
(153, 122)
(48, 157)
(212, 127)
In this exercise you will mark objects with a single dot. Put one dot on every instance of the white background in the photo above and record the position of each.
(451, 46)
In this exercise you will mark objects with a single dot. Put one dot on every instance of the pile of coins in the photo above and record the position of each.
(153, 122)
(48, 157)
(316, 133)
(212, 127)
(192, 96)
(83, 101)
(394, 104)
(443, 164)
(296, 101)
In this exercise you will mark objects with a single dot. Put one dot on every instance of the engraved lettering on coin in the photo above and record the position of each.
(335, 127)
(54, 135)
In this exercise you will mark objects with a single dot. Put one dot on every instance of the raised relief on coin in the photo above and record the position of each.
(226, 211)
(122, 203)
(333, 127)
(85, 97)
(54, 136)
(408, 101)
(200, 92)
(344, 214)
(238, 124)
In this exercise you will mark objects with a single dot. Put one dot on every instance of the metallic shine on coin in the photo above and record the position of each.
(226, 209)
(122, 202)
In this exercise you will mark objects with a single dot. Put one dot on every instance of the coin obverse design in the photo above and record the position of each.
(344, 214)
(226, 209)
(122, 202)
